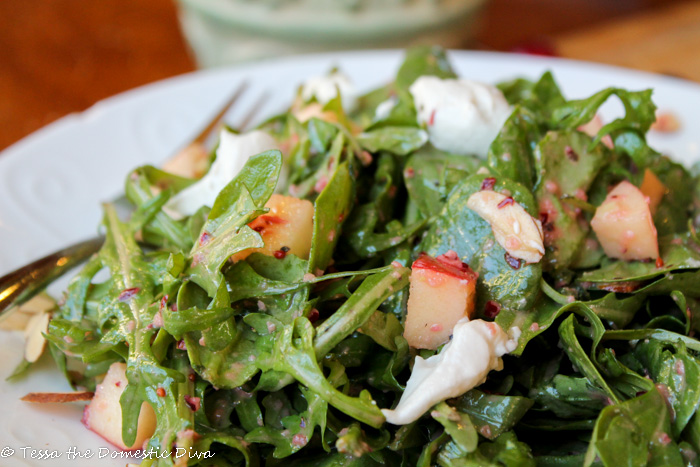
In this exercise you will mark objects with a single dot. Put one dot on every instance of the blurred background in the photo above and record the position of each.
(62, 56)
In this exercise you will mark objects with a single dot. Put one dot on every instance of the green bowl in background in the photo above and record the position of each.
(222, 32)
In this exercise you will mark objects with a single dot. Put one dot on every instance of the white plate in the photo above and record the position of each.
(52, 182)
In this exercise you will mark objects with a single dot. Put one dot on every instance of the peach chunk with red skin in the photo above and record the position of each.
(286, 229)
(624, 226)
(103, 414)
(442, 291)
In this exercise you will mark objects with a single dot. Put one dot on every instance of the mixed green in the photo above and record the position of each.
(292, 358)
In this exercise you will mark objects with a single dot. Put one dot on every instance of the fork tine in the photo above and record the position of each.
(255, 108)
(216, 120)
(191, 160)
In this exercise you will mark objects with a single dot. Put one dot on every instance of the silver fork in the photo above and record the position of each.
(22, 284)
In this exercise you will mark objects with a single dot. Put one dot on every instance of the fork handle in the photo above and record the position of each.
(22, 284)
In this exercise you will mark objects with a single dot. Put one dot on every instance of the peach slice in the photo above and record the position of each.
(287, 228)
(103, 414)
(190, 162)
(624, 225)
(654, 189)
(442, 291)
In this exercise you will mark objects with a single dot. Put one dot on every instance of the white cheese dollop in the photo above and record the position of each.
(325, 88)
(462, 116)
(231, 155)
(475, 349)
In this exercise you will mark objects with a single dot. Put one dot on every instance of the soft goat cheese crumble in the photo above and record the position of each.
(233, 152)
(462, 116)
(326, 88)
(475, 349)
(383, 110)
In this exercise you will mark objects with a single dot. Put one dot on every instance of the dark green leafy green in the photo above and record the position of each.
(566, 165)
(427, 176)
(397, 140)
(678, 252)
(499, 413)
(635, 432)
(511, 153)
(421, 61)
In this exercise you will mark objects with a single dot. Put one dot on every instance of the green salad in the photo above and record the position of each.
(270, 326)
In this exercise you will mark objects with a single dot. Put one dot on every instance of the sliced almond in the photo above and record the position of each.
(17, 317)
(58, 397)
(14, 319)
(35, 343)
(39, 304)
(515, 230)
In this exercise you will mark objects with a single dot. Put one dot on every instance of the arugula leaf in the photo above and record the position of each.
(290, 433)
(678, 372)
(132, 296)
(505, 450)
(672, 214)
(499, 413)
(578, 357)
(541, 97)
(678, 252)
(232, 365)
(139, 190)
(225, 231)
(363, 230)
(566, 166)
(511, 153)
(359, 308)
(458, 425)
(294, 354)
(635, 432)
(331, 208)
(427, 177)
(420, 61)
(397, 140)
(627, 132)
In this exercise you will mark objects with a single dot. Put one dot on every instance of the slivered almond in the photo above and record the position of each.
(515, 230)
(17, 317)
(35, 343)
(38, 304)
(58, 397)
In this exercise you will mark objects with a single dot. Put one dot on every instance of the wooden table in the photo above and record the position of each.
(62, 56)
(665, 41)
